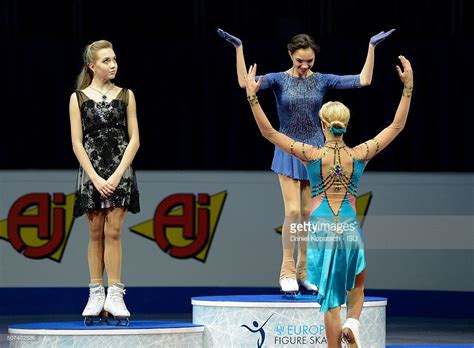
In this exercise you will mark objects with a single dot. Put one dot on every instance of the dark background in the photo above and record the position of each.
(191, 112)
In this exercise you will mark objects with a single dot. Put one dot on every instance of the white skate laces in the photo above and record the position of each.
(114, 303)
(95, 304)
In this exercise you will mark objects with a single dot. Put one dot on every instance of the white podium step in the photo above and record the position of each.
(76, 334)
(275, 321)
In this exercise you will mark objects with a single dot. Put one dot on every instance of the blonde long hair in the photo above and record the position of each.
(89, 56)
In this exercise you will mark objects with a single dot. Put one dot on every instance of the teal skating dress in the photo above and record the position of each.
(335, 254)
(335, 243)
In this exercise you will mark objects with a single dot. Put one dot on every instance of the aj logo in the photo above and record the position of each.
(39, 224)
(362, 207)
(257, 329)
(183, 225)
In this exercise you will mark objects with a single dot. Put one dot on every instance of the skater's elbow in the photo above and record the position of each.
(269, 134)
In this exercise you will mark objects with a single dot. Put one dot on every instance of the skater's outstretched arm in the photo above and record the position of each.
(304, 152)
(370, 148)
(368, 68)
(239, 50)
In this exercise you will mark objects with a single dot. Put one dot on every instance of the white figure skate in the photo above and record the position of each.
(306, 287)
(289, 287)
(95, 305)
(350, 333)
(115, 305)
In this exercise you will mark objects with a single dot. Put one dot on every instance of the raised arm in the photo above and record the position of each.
(104, 188)
(133, 143)
(368, 68)
(239, 49)
(370, 148)
(303, 151)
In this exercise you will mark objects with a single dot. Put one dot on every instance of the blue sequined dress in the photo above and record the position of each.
(298, 103)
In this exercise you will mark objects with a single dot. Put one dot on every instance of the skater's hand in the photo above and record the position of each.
(232, 39)
(406, 75)
(251, 85)
(105, 189)
(114, 180)
(376, 39)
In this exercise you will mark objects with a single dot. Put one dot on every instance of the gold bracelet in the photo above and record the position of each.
(377, 144)
(407, 91)
(253, 100)
(304, 152)
(292, 145)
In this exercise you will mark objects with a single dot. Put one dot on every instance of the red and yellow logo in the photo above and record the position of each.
(184, 224)
(39, 224)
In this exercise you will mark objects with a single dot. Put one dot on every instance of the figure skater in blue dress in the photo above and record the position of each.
(336, 258)
(299, 93)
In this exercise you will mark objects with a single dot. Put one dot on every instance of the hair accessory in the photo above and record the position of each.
(337, 131)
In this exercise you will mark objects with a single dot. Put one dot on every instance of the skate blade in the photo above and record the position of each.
(305, 292)
(101, 319)
(289, 294)
(95, 321)
(118, 321)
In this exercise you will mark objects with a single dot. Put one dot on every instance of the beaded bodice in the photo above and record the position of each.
(299, 100)
(335, 175)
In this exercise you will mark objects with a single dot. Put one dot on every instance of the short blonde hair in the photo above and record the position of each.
(335, 114)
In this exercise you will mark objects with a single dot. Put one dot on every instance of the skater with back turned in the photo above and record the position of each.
(335, 256)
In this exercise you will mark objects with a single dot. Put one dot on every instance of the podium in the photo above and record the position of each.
(276, 321)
